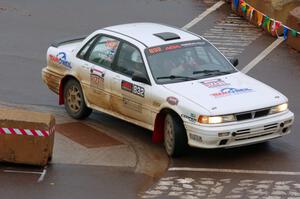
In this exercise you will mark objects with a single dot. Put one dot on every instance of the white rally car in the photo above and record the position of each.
(168, 80)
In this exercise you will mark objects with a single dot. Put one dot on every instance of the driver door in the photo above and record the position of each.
(130, 98)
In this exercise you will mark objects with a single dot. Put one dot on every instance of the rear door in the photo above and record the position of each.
(96, 60)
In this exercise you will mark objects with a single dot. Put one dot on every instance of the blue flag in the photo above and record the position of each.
(285, 32)
(236, 4)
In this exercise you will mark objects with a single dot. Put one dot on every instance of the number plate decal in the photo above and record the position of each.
(132, 88)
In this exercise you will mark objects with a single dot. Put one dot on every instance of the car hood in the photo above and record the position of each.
(227, 94)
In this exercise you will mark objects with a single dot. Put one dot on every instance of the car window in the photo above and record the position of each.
(186, 61)
(129, 61)
(84, 50)
(206, 56)
(104, 51)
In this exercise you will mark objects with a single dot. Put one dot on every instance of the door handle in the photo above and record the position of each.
(85, 66)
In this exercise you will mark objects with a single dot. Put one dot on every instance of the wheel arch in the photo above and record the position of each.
(158, 133)
(62, 84)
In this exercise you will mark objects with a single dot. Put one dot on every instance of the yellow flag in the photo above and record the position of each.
(249, 11)
(259, 18)
(269, 25)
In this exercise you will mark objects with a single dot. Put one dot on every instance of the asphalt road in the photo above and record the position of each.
(27, 29)
(70, 181)
(266, 170)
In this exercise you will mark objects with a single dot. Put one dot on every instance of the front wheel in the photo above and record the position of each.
(74, 100)
(175, 138)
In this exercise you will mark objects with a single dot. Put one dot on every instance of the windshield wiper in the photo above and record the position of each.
(176, 77)
(210, 72)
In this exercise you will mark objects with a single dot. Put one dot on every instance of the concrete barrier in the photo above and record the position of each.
(294, 22)
(26, 137)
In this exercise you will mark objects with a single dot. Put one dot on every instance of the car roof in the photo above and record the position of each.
(144, 33)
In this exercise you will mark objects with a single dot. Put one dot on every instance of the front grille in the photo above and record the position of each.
(262, 113)
(245, 134)
(243, 116)
(252, 114)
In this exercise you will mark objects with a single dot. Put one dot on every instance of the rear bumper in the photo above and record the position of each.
(240, 133)
(51, 79)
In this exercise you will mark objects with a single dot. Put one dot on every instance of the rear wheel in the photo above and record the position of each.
(74, 100)
(175, 138)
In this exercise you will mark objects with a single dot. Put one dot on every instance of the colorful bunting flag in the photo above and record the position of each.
(275, 27)
(259, 18)
(294, 33)
(263, 20)
(236, 4)
(285, 32)
(244, 7)
(266, 21)
(269, 25)
(250, 12)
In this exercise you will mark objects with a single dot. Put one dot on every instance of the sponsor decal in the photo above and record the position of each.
(127, 86)
(61, 59)
(231, 91)
(132, 88)
(172, 47)
(168, 47)
(172, 100)
(113, 44)
(213, 83)
(155, 50)
(107, 51)
(97, 78)
(191, 118)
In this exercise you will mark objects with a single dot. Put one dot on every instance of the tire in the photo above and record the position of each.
(175, 138)
(74, 100)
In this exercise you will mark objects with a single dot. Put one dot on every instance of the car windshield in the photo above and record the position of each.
(186, 61)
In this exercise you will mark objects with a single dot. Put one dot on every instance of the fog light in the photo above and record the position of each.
(196, 138)
(223, 142)
(224, 134)
(284, 130)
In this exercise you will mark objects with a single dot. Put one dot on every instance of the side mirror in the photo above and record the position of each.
(140, 77)
(234, 62)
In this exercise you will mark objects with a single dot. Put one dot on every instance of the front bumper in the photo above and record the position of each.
(240, 133)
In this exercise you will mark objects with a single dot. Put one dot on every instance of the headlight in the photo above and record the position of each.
(279, 108)
(216, 119)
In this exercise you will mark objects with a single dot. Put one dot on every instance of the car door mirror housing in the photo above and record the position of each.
(140, 77)
(234, 62)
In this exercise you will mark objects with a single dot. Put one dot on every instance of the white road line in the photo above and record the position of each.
(24, 172)
(262, 55)
(288, 173)
(41, 178)
(203, 15)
